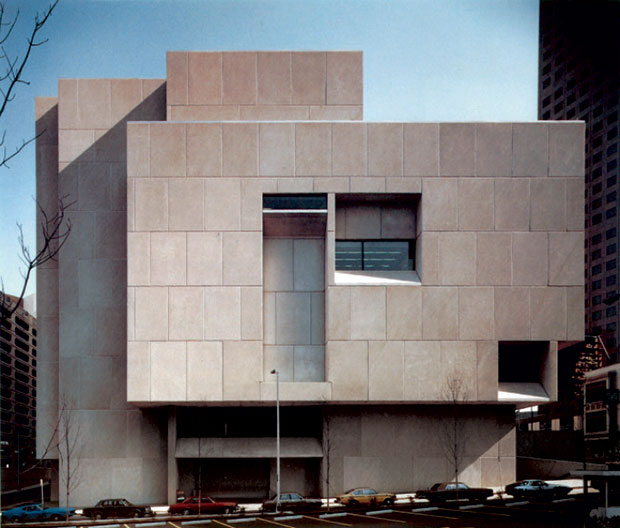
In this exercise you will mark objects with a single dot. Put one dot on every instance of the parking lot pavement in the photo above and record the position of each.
(568, 513)
(480, 516)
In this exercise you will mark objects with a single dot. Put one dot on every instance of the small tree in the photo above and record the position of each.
(69, 450)
(453, 437)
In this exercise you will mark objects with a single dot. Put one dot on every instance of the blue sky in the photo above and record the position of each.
(424, 60)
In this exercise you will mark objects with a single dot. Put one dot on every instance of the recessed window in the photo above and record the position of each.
(610, 233)
(375, 233)
(294, 201)
(378, 255)
(611, 280)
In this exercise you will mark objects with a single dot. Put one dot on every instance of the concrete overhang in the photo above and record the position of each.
(516, 392)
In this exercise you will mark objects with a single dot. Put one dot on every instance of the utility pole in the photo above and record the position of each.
(277, 373)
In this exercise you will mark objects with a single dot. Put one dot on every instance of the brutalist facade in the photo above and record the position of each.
(238, 217)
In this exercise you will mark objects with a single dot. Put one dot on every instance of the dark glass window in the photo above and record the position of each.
(610, 265)
(596, 285)
(611, 249)
(596, 422)
(610, 281)
(611, 311)
(596, 300)
(597, 203)
(295, 201)
(597, 188)
(596, 269)
(378, 255)
(597, 315)
(611, 327)
(611, 181)
(610, 233)
(597, 219)
(596, 254)
(610, 213)
(611, 197)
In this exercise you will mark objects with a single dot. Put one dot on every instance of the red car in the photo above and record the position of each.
(197, 506)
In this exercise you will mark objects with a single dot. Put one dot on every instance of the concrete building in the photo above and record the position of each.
(238, 217)
(18, 394)
(578, 79)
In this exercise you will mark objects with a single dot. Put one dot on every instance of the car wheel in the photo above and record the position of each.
(14, 519)
(136, 513)
(55, 517)
(228, 511)
(353, 503)
(185, 512)
(389, 501)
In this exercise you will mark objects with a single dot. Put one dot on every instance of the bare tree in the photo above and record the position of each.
(69, 450)
(54, 228)
(453, 436)
(14, 69)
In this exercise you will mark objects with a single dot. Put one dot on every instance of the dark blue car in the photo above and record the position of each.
(35, 512)
(535, 489)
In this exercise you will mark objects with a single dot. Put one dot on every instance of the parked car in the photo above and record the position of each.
(116, 508)
(35, 512)
(292, 502)
(445, 491)
(536, 490)
(194, 506)
(357, 496)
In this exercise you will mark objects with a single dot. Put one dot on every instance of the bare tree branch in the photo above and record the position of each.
(14, 69)
(55, 231)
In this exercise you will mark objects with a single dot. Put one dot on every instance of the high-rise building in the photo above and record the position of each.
(579, 79)
(239, 232)
(18, 393)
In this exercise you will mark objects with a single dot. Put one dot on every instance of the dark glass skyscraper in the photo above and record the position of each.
(579, 78)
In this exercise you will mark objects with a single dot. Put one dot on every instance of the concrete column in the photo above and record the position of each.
(173, 470)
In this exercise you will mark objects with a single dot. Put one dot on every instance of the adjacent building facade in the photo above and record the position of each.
(578, 79)
(239, 218)
(18, 394)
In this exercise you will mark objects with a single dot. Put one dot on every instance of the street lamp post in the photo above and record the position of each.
(277, 373)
